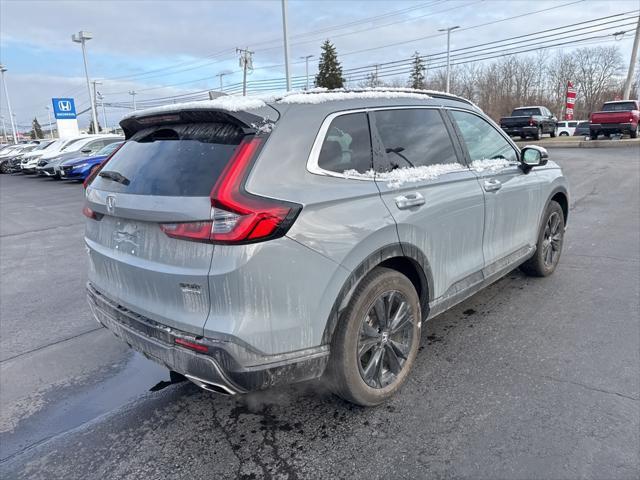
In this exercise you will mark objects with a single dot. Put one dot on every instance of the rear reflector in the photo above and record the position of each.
(237, 216)
(192, 345)
(87, 212)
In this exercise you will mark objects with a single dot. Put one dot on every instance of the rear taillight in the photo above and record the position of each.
(531, 121)
(94, 173)
(236, 215)
(198, 347)
(87, 212)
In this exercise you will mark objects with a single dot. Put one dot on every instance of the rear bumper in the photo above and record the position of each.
(520, 130)
(611, 127)
(222, 369)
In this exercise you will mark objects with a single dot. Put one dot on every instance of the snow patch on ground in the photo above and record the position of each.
(491, 165)
(400, 176)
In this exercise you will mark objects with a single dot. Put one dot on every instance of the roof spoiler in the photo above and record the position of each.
(248, 122)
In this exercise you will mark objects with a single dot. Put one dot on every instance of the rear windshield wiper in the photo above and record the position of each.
(115, 176)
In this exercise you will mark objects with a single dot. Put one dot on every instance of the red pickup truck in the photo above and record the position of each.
(616, 117)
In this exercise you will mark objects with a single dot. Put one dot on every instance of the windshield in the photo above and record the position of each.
(525, 112)
(618, 107)
(108, 149)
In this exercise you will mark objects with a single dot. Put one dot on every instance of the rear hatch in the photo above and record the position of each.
(154, 192)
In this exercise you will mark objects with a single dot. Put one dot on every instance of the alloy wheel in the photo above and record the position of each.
(552, 240)
(386, 337)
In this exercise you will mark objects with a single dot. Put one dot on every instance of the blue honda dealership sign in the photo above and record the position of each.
(64, 108)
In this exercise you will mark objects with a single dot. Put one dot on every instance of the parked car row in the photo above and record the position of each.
(71, 158)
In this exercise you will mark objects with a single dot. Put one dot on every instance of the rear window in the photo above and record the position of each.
(175, 160)
(525, 112)
(618, 107)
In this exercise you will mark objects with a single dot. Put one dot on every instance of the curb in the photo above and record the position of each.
(583, 144)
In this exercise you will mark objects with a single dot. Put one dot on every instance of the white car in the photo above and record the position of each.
(566, 128)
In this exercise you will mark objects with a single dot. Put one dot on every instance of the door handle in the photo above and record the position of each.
(492, 185)
(409, 200)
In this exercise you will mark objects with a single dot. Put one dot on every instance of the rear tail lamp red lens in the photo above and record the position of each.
(237, 216)
(198, 347)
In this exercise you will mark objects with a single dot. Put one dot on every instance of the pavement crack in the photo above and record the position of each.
(56, 227)
(41, 347)
(583, 385)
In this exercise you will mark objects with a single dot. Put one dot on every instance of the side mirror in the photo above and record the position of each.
(554, 119)
(533, 156)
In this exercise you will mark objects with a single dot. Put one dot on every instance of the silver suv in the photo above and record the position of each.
(246, 243)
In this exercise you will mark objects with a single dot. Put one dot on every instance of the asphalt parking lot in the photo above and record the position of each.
(531, 378)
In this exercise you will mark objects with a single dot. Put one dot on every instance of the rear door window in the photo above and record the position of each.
(347, 145)
(175, 160)
(414, 137)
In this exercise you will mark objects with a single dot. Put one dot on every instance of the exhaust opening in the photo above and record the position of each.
(211, 387)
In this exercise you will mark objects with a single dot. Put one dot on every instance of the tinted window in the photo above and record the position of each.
(525, 112)
(176, 160)
(413, 138)
(482, 140)
(562, 124)
(618, 107)
(347, 145)
(583, 125)
(573, 124)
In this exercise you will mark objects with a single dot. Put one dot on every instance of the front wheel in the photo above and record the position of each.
(594, 136)
(376, 339)
(564, 134)
(549, 245)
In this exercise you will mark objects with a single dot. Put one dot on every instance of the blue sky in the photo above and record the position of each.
(190, 42)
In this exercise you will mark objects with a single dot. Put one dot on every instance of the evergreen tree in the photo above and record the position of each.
(417, 77)
(329, 69)
(92, 129)
(36, 129)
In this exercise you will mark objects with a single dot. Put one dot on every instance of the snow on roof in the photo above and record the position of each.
(228, 103)
(313, 96)
(321, 95)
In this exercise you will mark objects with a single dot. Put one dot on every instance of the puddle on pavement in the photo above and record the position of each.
(85, 403)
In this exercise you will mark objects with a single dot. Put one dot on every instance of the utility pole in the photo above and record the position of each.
(306, 68)
(82, 38)
(286, 44)
(95, 101)
(448, 30)
(4, 129)
(632, 64)
(3, 69)
(246, 63)
(375, 76)
(133, 96)
(104, 112)
(49, 115)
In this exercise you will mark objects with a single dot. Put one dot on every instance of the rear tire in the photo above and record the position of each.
(553, 133)
(549, 245)
(538, 134)
(594, 136)
(634, 133)
(376, 339)
(564, 134)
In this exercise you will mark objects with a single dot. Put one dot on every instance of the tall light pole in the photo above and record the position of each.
(3, 69)
(448, 30)
(632, 64)
(49, 115)
(286, 44)
(306, 68)
(220, 75)
(82, 38)
(133, 96)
